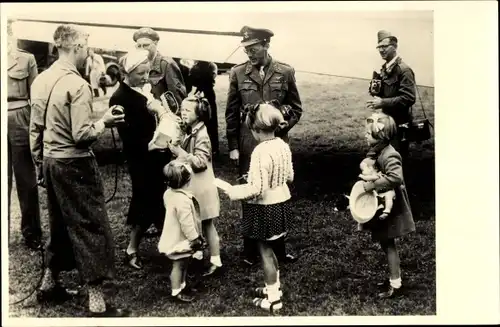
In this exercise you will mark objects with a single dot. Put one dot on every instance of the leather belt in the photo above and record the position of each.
(17, 104)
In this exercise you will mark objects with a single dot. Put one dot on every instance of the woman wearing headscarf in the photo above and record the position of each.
(145, 167)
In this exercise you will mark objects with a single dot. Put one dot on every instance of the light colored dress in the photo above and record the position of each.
(199, 149)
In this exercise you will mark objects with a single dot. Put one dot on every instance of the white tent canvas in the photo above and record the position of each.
(338, 43)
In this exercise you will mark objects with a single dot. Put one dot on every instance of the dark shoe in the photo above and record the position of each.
(133, 260)
(213, 270)
(391, 293)
(57, 294)
(191, 289)
(111, 311)
(183, 298)
(33, 243)
(384, 285)
(196, 268)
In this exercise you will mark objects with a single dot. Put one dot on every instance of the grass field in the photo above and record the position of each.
(338, 267)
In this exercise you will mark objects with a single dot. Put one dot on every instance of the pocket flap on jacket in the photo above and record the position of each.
(248, 86)
(18, 74)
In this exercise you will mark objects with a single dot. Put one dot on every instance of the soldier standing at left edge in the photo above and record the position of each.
(21, 72)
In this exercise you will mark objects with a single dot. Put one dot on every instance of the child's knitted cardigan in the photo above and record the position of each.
(270, 170)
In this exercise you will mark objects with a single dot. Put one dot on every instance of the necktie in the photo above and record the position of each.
(262, 73)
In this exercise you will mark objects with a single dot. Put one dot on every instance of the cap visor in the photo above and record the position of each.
(250, 42)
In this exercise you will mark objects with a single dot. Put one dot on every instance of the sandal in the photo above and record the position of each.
(273, 307)
(391, 292)
(56, 295)
(133, 260)
(182, 298)
(260, 292)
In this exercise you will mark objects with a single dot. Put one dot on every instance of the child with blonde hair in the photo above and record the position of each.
(380, 131)
(266, 209)
(181, 236)
(195, 149)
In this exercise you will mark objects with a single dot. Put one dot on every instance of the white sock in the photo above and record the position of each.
(273, 292)
(183, 285)
(176, 291)
(48, 281)
(96, 299)
(215, 260)
(198, 255)
(278, 279)
(395, 283)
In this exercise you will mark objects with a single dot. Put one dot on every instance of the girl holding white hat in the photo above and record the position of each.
(385, 229)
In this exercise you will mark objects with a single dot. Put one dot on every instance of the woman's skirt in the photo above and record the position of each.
(263, 222)
(148, 186)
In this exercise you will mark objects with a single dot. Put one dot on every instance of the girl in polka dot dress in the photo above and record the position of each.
(266, 209)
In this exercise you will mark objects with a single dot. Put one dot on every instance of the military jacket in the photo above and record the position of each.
(22, 70)
(247, 87)
(398, 91)
(165, 75)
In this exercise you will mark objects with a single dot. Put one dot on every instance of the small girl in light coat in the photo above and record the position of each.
(181, 236)
(266, 209)
(380, 131)
(196, 150)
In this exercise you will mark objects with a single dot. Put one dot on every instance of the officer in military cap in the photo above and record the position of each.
(260, 79)
(21, 71)
(165, 74)
(396, 93)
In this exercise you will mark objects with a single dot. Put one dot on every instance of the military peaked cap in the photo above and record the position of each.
(255, 35)
(146, 32)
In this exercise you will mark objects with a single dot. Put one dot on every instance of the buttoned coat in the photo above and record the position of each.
(398, 91)
(246, 87)
(182, 222)
(197, 144)
(400, 220)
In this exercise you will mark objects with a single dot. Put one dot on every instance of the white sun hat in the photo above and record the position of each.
(363, 205)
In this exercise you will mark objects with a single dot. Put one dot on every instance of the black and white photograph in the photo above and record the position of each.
(252, 160)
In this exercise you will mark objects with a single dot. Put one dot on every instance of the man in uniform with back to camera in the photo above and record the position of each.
(21, 72)
(260, 79)
(165, 75)
(394, 89)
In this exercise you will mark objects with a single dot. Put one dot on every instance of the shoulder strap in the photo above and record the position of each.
(421, 103)
(48, 99)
